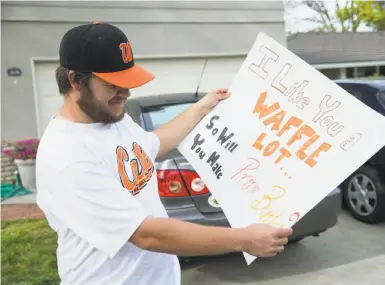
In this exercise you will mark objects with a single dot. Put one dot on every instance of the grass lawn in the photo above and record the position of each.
(28, 253)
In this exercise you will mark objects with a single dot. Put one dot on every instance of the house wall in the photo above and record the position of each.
(156, 29)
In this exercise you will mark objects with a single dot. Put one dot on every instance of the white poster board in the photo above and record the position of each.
(283, 141)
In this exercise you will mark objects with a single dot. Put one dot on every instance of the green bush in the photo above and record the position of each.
(28, 253)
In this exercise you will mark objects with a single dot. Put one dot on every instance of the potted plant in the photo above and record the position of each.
(24, 154)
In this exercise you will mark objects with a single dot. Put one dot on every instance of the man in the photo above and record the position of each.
(97, 181)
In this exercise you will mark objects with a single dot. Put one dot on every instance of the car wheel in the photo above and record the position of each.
(364, 195)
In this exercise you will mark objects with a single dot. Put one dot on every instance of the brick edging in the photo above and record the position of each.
(20, 212)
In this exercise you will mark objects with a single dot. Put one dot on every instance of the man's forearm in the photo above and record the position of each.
(174, 131)
(186, 239)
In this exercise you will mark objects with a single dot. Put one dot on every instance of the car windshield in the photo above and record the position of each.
(163, 114)
(381, 98)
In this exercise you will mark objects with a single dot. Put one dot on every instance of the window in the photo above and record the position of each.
(350, 72)
(163, 114)
(354, 90)
(141, 121)
(355, 93)
(382, 70)
(381, 98)
(366, 71)
(331, 73)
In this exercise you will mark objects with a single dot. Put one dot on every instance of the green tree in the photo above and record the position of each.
(370, 13)
(345, 17)
(374, 15)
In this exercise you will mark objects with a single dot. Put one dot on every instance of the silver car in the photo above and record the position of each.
(184, 194)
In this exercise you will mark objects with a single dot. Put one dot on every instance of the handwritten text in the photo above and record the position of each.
(274, 116)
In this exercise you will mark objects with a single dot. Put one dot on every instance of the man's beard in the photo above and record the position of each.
(95, 110)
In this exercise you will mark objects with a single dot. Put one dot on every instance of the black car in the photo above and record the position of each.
(364, 191)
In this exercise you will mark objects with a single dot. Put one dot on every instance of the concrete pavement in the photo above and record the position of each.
(351, 251)
(369, 271)
(17, 200)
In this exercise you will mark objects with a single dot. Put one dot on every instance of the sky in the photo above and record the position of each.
(293, 17)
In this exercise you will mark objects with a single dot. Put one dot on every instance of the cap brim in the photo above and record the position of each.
(130, 78)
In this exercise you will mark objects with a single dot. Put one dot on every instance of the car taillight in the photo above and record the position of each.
(194, 183)
(170, 184)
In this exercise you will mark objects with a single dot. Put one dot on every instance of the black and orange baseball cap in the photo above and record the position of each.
(103, 50)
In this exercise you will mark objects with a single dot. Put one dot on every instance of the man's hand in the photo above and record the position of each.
(188, 239)
(174, 131)
(211, 99)
(264, 240)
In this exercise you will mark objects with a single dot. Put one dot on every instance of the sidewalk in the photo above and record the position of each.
(26, 199)
(364, 272)
(20, 207)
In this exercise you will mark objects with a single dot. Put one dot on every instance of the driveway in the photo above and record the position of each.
(349, 252)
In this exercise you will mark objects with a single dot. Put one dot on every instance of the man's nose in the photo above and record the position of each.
(124, 92)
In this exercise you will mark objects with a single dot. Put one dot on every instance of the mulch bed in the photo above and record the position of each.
(20, 212)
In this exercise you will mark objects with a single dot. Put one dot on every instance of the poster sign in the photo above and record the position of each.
(284, 140)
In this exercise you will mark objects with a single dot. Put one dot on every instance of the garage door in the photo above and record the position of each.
(47, 97)
(172, 76)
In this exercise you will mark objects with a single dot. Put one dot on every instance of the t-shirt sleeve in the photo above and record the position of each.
(91, 201)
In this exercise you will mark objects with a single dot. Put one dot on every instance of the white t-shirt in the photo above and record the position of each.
(96, 184)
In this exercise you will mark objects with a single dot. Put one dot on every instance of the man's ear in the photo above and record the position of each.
(71, 78)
